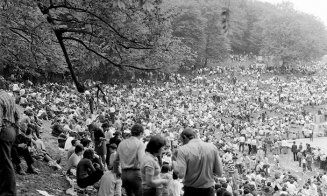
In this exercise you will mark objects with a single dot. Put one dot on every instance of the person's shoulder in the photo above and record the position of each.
(73, 157)
(147, 160)
(82, 162)
(123, 142)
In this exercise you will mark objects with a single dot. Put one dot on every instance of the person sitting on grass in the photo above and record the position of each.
(20, 148)
(75, 158)
(87, 173)
(71, 150)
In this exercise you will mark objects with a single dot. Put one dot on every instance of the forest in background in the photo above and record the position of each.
(111, 38)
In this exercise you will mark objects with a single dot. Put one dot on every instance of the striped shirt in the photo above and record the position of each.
(8, 109)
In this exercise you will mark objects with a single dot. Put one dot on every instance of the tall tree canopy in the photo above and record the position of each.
(121, 34)
(40, 37)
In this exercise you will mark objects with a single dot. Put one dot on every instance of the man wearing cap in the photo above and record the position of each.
(9, 117)
(197, 162)
(129, 154)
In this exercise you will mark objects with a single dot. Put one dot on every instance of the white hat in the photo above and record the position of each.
(22, 92)
(112, 110)
(15, 88)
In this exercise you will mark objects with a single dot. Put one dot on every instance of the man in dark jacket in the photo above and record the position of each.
(294, 151)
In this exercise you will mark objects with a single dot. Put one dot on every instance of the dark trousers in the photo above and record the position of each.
(309, 165)
(250, 148)
(150, 192)
(241, 147)
(254, 149)
(132, 182)
(190, 191)
(16, 152)
(90, 180)
(112, 117)
(7, 174)
(295, 156)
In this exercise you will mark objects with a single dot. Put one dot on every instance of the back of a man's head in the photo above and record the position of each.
(137, 130)
(188, 133)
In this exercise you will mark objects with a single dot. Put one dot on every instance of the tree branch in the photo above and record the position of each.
(46, 10)
(92, 50)
(133, 47)
(64, 30)
(110, 61)
(20, 35)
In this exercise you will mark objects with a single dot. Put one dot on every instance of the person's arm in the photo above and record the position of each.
(149, 177)
(75, 161)
(90, 166)
(116, 164)
(16, 115)
(1, 116)
(180, 165)
(218, 168)
(141, 152)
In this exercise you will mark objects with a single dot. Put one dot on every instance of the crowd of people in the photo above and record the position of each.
(220, 133)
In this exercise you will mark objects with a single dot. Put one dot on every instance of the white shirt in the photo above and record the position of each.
(291, 188)
(68, 143)
(175, 188)
(107, 184)
(284, 143)
(242, 139)
(254, 142)
(324, 178)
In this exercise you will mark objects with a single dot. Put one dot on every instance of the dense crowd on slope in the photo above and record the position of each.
(245, 114)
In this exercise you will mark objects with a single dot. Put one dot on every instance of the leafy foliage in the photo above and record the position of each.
(26, 45)
(118, 33)
(112, 36)
(254, 27)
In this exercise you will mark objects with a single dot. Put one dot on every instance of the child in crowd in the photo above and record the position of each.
(165, 175)
(175, 187)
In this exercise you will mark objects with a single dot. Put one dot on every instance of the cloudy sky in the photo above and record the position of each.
(314, 7)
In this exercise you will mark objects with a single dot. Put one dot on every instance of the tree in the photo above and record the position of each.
(120, 34)
(292, 36)
(26, 46)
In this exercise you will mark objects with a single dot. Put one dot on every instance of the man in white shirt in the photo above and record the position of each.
(75, 158)
(242, 142)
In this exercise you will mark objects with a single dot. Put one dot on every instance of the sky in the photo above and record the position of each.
(314, 7)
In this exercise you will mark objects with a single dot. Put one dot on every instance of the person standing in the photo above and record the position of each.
(300, 147)
(9, 117)
(100, 144)
(242, 142)
(129, 154)
(309, 160)
(153, 183)
(299, 157)
(294, 151)
(110, 183)
(196, 163)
